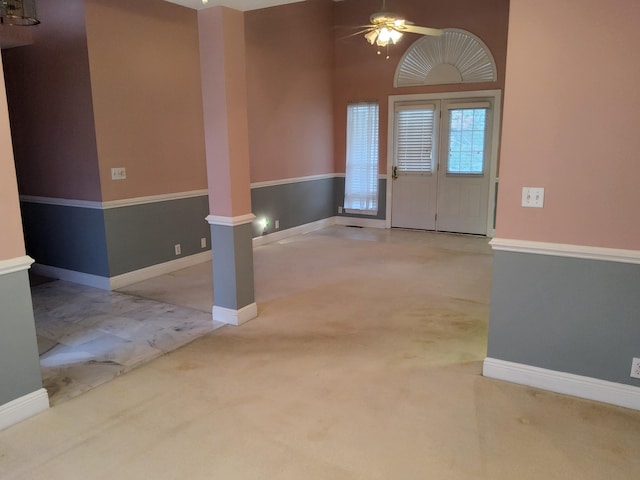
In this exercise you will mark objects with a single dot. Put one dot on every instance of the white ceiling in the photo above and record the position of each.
(241, 5)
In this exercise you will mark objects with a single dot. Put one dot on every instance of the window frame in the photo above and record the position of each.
(362, 191)
(471, 105)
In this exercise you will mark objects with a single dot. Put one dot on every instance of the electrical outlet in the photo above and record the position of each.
(635, 367)
(339, 209)
(203, 242)
(178, 249)
(119, 173)
(277, 224)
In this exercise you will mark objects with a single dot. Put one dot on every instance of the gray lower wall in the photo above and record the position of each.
(140, 236)
(293, 204)
(233, 266)
(565, 314)
(19, 361)
(114, 241)
(72, 238)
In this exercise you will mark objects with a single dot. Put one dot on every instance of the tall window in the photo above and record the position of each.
(361, 182)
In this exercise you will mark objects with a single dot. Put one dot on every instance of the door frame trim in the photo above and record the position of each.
(495, 141)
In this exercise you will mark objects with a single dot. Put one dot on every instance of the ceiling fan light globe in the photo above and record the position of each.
(384, 36)
(371, 36)
(387, 28)
(395, 36)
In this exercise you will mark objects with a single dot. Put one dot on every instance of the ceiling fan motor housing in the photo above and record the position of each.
(384, 18)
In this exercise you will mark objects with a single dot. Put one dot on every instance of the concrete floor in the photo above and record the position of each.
(87, 337)
(364, 363)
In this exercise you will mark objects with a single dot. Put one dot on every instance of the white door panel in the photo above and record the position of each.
(414, 180)
(463, 184)
(462, 208)
(455, 196)
(414, 202)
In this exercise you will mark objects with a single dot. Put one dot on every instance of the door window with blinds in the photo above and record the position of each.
(467, 138)
(361, 175)
(415, 133)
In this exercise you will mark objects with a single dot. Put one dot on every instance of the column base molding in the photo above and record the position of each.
(24, 407)
(235, 317)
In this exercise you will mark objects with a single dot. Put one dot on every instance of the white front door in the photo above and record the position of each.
(441, 171)
(414, 179)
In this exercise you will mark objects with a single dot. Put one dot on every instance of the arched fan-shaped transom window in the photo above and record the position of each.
(456, 56)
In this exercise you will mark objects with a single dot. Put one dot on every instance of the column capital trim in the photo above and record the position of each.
(230, 221)
(17, 264)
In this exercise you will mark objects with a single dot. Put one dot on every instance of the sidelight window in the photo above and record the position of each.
(361, 176)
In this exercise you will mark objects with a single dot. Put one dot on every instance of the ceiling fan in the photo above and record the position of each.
(387, 28)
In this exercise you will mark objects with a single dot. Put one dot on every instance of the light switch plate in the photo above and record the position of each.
(119, 173)
(533, 197)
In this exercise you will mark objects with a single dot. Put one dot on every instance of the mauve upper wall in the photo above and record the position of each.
(11, 240)
(49, 93)
(147, 99)
(571, 117)
(11, 37)
(289, 60)
(362, 75)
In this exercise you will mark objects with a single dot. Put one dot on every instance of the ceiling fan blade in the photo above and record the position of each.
(435, 32)
(352, 27)
(366, 30)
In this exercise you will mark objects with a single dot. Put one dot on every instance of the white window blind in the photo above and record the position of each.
(361, 176)
(414, 139)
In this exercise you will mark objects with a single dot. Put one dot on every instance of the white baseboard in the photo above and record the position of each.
(361, 222)
(310, 227)
(234, 317)
(136, 276)
(94, 281)
(119, 281)
(24, 407)
(560, 382)
(290, 232)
